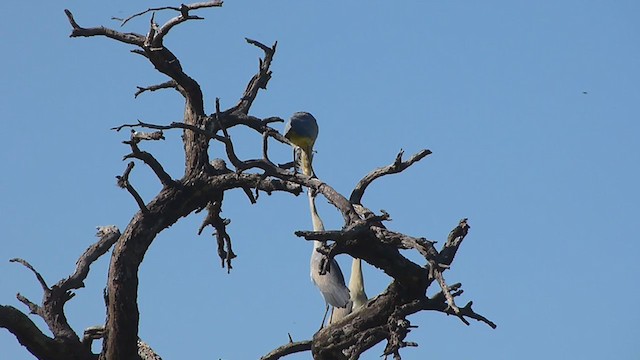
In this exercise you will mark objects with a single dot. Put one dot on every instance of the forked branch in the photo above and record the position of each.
(397, 166)
(259, 80)
(67, 344)
(123, 182)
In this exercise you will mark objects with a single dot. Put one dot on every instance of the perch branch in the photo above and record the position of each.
(397, 166)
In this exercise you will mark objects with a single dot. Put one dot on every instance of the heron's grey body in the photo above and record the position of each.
(331, 284)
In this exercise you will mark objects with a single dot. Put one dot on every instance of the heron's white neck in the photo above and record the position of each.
(356, 281)
(315, 218)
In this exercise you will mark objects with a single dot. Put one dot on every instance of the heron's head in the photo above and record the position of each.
(302, 130)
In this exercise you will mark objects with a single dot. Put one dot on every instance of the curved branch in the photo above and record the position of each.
(77, 31)
(26, 264)
(259, 80)
(288, 349)
(397, 166)
(108, 236)
(184, 16)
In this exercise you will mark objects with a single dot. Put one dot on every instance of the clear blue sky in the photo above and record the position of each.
(546, 174)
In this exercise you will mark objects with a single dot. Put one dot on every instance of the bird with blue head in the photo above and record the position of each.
(302, 132)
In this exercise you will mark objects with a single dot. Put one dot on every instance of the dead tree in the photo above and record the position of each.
(202, 188)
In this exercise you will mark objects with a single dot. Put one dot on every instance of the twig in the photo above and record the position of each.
(124, 21)
(33, 308)
(171, 84)
(26, 264)
(397, 166)
(123, 182)
(173, 125)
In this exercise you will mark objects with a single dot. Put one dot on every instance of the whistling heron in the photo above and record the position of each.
(302, 131)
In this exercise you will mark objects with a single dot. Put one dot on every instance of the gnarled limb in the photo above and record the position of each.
(66, 343)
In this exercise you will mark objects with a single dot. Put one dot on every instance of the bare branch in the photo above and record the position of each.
(126, 20)
(171, 84)
(123, 182)
(397, 166)
(173, 125)
(27, 333)
(128, 38)
(26, 264)
(288, 349)
(33, 308)
(146, 157)
(108, 236)
(214, 208)
(454, 240)
(184, 16)
(67, 344)
(259, 80)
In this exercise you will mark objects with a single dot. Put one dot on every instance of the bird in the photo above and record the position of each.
(302, 132)
(357, 295)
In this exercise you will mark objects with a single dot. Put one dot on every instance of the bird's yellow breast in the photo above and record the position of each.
(301, 141)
